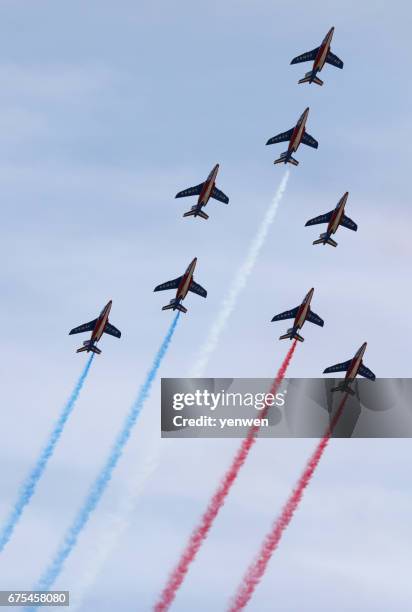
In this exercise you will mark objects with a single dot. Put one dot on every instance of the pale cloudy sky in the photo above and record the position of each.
(106, 111)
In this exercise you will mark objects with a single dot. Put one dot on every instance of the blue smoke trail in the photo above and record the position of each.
(29, 486)
(104, 477)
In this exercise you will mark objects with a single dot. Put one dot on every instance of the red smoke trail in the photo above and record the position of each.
(256, 571)
(201, 531)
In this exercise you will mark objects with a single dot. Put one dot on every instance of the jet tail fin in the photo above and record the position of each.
(344, 387)
(292, 335)
(283, 159)
(88, 346)
(308, 78)
(174, 305)
(324, 240)
(194, 212)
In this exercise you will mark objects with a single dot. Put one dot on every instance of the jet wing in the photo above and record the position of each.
(314, 318)
(112, 330)
(308, 140)
(288, 314)
(283, 137)
(172, 284)
(366, 372)
(339, 367)
(321, 219)
(84, 328)
(305, 57)
(346, 222)
(196, 288)
(190, 191)
(219, 195)
(333, 59)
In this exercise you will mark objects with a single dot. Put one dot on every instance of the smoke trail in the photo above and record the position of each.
(29, 486)
(120, 520)
(116, 524)
(104, 476)
(201, 531)
(256, 571)
(239, 282)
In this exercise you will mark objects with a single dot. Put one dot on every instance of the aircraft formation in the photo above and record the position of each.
(206, 190)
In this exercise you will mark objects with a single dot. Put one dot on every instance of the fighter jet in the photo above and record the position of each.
(98, 327)
(334, 218)
(301, 314)
(295, 136)
(183, 284)
(205, 191)
(320, 56)
(352, 367)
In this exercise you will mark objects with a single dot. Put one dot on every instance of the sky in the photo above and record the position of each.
(107, 110)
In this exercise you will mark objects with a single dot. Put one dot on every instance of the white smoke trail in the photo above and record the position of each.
(120, 520)
(239, 283)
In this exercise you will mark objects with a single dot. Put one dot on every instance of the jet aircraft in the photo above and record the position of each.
(319, 56)
(98, 327)
(183, 284)
(295, 136)
(301, 314)
(334, 218)
(352, 367)
(205, 191)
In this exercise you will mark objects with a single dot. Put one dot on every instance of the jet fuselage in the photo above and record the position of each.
(186, 281)
(303, 311)
(337, 215)
(101, 323)
(356, 363)
(208, 186)
(297, 133)
(322, 53)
